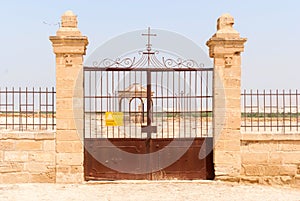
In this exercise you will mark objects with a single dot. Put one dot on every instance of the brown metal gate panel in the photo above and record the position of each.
(187, 167)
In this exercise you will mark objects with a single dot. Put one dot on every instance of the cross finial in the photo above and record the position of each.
(149, 34)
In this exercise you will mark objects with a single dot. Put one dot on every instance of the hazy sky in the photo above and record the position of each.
(270, 60)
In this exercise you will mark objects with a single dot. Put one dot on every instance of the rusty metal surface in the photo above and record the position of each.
(187, 167)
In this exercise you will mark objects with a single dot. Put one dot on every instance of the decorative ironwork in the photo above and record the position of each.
(148, 58)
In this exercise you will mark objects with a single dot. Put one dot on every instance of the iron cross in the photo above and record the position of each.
(149, 34)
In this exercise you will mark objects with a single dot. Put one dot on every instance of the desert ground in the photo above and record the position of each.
(146, 191)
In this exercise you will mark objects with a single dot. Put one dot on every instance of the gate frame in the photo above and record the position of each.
(186, 168)
(69, 47)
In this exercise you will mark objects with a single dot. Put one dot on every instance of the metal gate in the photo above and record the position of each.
(148, 118)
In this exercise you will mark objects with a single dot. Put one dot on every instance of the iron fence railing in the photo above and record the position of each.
(27, 109)
(265, 110)
(272, 110)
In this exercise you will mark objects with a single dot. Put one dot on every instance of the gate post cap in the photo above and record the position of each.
(225, 27)
(68, 25)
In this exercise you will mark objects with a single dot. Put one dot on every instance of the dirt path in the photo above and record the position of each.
(131, 190)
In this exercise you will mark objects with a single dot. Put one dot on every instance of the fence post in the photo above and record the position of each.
(225, 47)
(69, 47)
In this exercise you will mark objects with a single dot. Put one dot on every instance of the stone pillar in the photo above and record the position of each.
(69, 47)
(225, 46)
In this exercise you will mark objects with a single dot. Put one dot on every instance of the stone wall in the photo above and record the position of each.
(271, 158)
(27, 157)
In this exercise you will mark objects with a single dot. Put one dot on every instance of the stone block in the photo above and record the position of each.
(289, 146)
(70, 159)
(289, 170)
(45, 136)
(250, 180)
(36, 167)
(63, 169)
(297, 182)
(69, 147)
(255, 158)
(1, 155)
(76, 169)
(16, 156)
(232, 170)
(64, 104)
(49, 145)
(275, 158)
(7, 167)
(291, 157)
(66, 124)
(253, 170)
(68, 135)
(272, 170)
(29, 145)
(231, 145)
(227, 157)
(13, 178)
(42, 157)
(6, 145)
(44, 177)
(261, 147)
(69, 178)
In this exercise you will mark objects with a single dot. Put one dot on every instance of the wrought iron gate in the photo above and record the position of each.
(140, 106)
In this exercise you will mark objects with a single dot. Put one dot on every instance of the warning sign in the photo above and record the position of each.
(114, 118)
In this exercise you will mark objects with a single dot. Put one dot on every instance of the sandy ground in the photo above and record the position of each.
(144, 190)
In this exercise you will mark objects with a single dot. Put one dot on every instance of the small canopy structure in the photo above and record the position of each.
(132, 92)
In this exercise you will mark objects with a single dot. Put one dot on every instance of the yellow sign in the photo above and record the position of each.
(114, 118)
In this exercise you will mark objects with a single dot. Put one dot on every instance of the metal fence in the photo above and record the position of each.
(272, 110)
(27, 109)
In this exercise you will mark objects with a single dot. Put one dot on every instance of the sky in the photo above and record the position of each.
(270, 60)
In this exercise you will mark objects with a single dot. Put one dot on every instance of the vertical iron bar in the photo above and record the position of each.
(6, 105)
(251, 118)
(179, 107)
(33, 108)
(206, 94)
(20, 110)
(196, 100)
(283, 118)
(264, 110)
(53, 109)
(297, 115)
(91, 112)
(271, 110)
(290, 110)
(95, 103)
(40, 108)
(47, 111)
(184, 104)
(101, 104)
(257, 102)
(26, 106)
(245, 111)
(173, 114)
(107, 103)
(148, 103)
(13, 108)
(162, 100)
(190, 105)
(277, 105)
